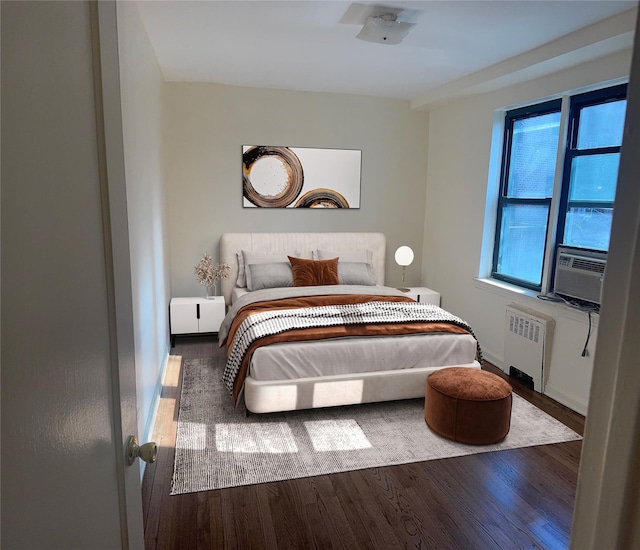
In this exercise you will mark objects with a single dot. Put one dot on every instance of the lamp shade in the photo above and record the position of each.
(404, 256)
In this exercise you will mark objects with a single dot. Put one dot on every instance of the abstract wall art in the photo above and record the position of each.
(300, 177)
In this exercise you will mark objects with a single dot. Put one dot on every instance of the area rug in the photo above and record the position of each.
(218, 446)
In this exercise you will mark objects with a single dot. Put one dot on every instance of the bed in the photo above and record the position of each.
(342, 353)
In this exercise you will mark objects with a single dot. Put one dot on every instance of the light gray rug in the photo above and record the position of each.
(217, 446)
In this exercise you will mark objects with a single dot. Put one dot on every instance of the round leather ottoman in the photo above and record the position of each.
(468, 405)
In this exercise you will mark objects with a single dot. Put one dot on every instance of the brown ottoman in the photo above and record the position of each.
(468, 405)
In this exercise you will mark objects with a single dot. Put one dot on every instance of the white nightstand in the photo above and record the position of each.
(424, 295)
(195, 315)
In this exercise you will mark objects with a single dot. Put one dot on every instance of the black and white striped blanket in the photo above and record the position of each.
(271, 322)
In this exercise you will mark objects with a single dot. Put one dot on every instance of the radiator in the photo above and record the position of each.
(527, 343)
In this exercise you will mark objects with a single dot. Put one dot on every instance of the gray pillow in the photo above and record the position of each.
(356, 273)
(251, 258)
(362, 255)
(271, 275)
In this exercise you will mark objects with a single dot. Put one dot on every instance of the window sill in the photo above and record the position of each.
(504, 289)
(514, 292)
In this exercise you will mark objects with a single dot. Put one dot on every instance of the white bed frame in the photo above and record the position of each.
(321, 391)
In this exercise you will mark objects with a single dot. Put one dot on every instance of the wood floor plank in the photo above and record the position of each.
(216, 530)
(493, 498)
(370, 509)
(400, 508)
(348, 500)
(203, 520)
(520, 498)
(235, 518)
(453, 523)
(266, 523)
(332, 515)
(287, 513)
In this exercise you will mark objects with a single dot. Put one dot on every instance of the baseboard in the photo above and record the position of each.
(492, 358)
(573, 402)
(570, 401)
(153, 412)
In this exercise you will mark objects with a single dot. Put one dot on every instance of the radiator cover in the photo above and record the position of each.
(527, 343)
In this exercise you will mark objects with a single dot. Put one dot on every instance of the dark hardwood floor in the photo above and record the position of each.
(521, 498)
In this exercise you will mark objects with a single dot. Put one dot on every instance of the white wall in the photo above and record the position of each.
(59, 444)
(457, 175)
(206, 126)
(141, 84)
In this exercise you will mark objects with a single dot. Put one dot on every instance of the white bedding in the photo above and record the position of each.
(342, 355)
(237, 292)
(293, 360)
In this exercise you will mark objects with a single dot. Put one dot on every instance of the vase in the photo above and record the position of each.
(211, 292)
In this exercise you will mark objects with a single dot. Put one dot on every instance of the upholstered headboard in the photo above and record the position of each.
(304, 243)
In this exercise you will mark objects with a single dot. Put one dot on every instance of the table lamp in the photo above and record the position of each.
(404, 257)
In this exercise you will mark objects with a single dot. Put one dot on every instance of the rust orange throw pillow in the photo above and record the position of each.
(314, 272)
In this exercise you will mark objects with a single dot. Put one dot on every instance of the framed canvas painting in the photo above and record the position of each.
(300, 177)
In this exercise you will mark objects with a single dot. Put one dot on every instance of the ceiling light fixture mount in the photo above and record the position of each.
(385, 29)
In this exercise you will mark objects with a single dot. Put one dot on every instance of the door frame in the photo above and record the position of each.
(104, 34)
(607, 512)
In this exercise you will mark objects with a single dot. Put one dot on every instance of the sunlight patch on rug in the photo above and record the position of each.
(218, 446)
(255, 438)
(196, 436)
(336, 435)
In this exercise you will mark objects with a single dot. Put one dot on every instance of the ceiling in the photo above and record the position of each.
(311, 45)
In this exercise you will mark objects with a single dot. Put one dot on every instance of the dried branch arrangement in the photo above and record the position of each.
(208, 274)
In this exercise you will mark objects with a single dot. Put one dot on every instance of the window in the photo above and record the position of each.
(526, 189)
(529, 178)
(592, 156)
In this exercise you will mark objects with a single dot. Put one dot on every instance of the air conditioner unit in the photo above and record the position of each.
(579, 274)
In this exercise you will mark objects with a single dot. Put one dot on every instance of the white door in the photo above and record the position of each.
(68, 383)
(117, 235)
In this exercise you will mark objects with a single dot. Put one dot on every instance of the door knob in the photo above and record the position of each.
(147, 452)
